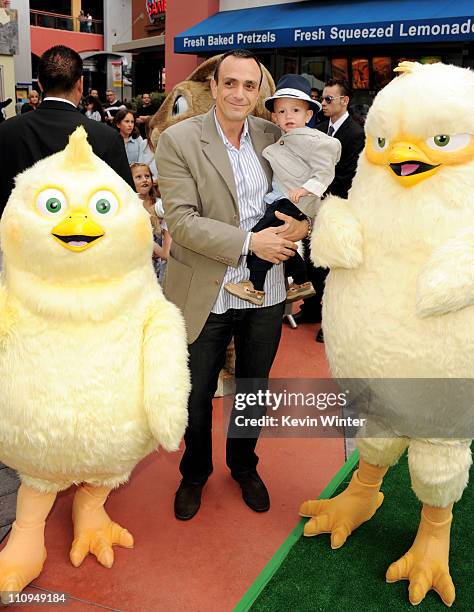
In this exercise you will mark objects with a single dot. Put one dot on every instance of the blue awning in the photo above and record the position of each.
(303, 24)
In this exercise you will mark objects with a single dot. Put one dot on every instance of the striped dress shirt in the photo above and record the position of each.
(251, 185)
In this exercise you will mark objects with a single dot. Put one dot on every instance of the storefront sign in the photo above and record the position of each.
(117, 73)
(155, 9)
(433, 30)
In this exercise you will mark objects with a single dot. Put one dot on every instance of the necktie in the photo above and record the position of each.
(330, 130)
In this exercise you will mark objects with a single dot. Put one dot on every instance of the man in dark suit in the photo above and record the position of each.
(335, 100)
(145, 112)
(28, 138)
(339, 124)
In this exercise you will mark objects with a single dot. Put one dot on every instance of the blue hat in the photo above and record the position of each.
(293, 86)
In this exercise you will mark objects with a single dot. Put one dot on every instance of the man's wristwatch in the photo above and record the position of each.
(310, 227)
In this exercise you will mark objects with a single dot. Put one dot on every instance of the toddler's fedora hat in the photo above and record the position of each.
(293, 86)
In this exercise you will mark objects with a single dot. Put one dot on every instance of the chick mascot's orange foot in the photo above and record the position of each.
(341, 515)
(398, 305)
(425, 565)
(93, 530)
(93, 359)
(22, 559)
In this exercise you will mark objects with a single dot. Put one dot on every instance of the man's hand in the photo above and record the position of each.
(292, 229)
(295, 194)
(268, 245)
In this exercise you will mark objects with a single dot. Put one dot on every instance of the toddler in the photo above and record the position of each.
(303, 162)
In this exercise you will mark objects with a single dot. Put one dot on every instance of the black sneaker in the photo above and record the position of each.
(187, 500)
(254, 491)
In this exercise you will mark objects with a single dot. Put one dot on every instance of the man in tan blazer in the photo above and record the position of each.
(213, 179)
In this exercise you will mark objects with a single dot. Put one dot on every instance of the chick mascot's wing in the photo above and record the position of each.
(93, 359)
(398, 301)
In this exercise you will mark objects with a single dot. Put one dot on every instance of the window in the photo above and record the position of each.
(315, 69)
(382, 70)
(286, 63)
(340, 69)
(360, 73)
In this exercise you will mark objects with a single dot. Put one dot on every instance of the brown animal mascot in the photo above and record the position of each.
(188, 99)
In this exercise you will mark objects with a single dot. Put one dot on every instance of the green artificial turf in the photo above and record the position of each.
(313, 577)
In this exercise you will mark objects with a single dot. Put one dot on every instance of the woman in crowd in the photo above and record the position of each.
(124, 121)
(147, 154)
(33, 102)
(94, 109)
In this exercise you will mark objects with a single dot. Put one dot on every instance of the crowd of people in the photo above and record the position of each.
(214, 175)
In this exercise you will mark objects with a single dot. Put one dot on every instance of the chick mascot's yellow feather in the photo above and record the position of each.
(399, 298)
(93, 359)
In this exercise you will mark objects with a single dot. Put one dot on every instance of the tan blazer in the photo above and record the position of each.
(200, 200)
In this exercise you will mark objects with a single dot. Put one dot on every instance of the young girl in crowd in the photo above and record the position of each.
(94, 109)
(149, 195)
(124, 121)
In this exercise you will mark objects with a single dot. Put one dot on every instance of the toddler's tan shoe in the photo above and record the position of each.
(299, 292)
(246, 291)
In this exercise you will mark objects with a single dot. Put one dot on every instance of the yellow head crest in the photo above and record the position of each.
(407, 67)
(78, 154)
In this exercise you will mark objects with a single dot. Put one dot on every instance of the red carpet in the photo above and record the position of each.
(209, 562)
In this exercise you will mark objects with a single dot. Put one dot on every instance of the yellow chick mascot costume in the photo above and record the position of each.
(398, 302)
(93, 359)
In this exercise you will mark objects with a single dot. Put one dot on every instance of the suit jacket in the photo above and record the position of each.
(351, 136)
(201, 210)
(26, 139)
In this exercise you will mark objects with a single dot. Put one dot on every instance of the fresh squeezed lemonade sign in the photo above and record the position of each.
(453, 28)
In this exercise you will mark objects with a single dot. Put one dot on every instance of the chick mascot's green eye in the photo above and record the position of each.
(93, 358)
(399, 305)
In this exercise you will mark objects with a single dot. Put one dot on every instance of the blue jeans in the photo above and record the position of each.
(256, 334)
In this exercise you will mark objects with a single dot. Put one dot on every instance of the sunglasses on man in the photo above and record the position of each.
(329, 99)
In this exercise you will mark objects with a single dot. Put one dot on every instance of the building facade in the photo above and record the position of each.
(360, 41)
(146, 45)
(44, 23)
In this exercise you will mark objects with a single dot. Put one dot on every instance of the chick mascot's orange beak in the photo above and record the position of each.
(77, 232)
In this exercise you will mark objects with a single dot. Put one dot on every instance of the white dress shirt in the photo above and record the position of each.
(59, 100)
(251, 185)
(338, 123)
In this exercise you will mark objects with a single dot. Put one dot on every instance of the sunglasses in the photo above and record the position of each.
(329, 99)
